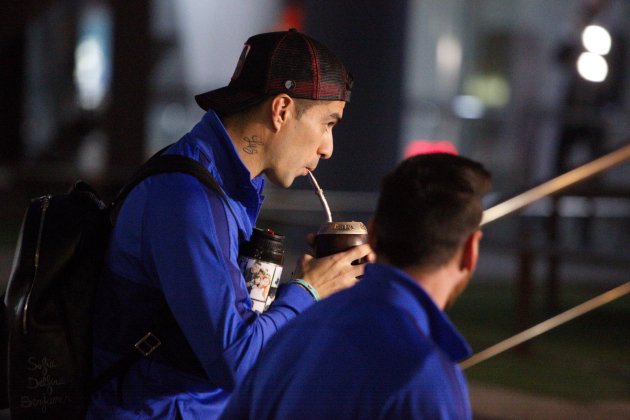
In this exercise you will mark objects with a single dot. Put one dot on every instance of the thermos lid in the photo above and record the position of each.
(348, 228)
(267, 234)
(264, 244)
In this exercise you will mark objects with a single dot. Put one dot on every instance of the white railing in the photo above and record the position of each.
(520, 201)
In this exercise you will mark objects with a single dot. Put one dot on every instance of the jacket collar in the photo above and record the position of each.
(399, 289)
(218, 154)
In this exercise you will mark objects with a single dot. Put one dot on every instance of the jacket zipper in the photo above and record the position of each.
(45, 202)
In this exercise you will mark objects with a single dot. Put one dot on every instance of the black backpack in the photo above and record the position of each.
(47, 326)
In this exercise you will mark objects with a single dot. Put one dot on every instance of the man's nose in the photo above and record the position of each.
(326, 149)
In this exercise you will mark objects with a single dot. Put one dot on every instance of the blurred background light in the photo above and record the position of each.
(448, 58)
(90, 63)
(92, 71)
(596, 39)
(592, 67)
(468, 107)
(491, 89)
(422, 147)
(449, 53)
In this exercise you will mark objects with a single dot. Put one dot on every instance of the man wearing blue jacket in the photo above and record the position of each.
(384, 348)
(175, 243)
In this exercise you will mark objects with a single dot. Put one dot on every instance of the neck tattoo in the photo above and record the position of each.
(251, 144)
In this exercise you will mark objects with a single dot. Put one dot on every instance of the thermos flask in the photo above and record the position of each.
(260, 260)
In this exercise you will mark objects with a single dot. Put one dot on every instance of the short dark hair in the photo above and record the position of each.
(427, 207)
(301, 106)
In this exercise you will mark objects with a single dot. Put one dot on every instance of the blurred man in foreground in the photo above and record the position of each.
(384, 348)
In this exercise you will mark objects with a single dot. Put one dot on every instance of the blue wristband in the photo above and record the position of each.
(306, 285)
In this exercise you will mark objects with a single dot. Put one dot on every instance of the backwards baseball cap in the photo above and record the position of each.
(281, 62)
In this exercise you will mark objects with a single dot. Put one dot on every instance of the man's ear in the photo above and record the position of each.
(281, 110)
(470, 253)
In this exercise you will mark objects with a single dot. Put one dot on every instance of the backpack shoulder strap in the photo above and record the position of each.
(157, 164)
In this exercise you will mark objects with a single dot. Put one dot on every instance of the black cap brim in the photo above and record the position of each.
(228, 99)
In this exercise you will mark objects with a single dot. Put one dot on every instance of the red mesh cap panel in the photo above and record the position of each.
(304, 68)
(334, 81)
(292, 68)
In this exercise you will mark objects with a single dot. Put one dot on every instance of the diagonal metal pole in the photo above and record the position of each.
(556, 184)
(545, 326)
(528, 197)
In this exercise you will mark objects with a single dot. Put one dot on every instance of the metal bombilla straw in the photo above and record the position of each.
(320, 194)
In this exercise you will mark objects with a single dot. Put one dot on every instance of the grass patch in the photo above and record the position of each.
(586, 359)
